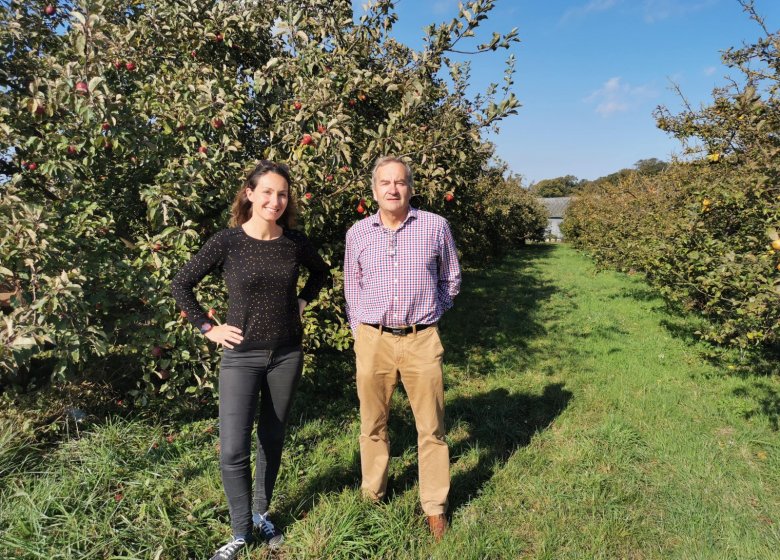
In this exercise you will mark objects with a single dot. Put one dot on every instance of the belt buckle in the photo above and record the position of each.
(397, 331)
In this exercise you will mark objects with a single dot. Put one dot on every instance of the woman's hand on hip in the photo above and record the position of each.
(226, 335)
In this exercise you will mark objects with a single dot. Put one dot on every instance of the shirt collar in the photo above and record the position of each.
(375, 221)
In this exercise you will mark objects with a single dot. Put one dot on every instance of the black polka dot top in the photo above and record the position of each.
(261, 278)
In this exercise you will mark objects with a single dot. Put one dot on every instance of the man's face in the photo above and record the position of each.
(391, 188)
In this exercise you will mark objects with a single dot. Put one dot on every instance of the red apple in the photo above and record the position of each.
(306, 139)
(82, 87)
(49, 10)
(194, 54)
(449, 197)
(118, 64)
(71, 150)
(203, 149)
(345, 168)
(329, 178)
(298, 105)
(307, 196)
(32, 166)
(130, 66)
(183, 314)
(156, 247)
(321, 128)
(218, 37)
(352, 102)
(108, 145)
(360, 209)
(362, 96)
(40, 109)
(157, 352)
(105, 126)
(217, 123)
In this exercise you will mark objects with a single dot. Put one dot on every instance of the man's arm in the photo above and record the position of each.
(351, 280)
(449, 268)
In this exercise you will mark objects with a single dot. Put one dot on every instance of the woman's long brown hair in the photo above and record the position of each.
(241, 210)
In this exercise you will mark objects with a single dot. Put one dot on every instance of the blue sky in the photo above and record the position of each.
(591, 72)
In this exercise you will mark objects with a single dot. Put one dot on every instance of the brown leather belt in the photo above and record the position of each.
(399, 331)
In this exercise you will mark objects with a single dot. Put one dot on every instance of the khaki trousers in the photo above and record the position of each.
(415, 359)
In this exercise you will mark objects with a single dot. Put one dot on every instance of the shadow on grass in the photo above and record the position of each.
(495, 313)
(489, 427)
(767, 399)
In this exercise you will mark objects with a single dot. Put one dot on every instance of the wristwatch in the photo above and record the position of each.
(206, 327)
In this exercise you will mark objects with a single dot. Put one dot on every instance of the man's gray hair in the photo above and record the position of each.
(384, 160)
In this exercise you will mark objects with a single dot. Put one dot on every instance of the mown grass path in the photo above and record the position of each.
(583, 421)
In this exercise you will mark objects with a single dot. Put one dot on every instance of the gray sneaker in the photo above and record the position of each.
(231, 550)
(272, 536)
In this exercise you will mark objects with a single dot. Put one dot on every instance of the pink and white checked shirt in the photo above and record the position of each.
(400, 278)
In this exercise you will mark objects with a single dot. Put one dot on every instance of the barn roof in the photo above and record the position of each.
(556, 207)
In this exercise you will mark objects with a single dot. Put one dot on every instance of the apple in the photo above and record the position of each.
(360, 209)
(118, 64)
(157, 352)
(449, 197)
(108, 145)
(40, 109)
(82, 87)
(32, 166)
(306, 139)
(71, 150)
(217, 123)
(218, 37)
(307, 196)
(203, 149)
(297, 105)
(362, 96)
(352, 102)
(49, 10)
(130, 66)
(329, 178)
(156, 247)
(212, 313)
(321, 128)
(194, 54)
(105, 126)
(183, 314)
(345, 168)
(776, 244)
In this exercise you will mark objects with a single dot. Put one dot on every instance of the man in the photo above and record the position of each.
(401, 274)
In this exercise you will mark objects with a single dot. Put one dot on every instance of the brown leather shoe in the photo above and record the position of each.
(438, 526)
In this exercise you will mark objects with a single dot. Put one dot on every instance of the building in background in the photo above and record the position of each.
(556, 210)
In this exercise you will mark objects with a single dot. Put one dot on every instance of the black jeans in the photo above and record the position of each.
(246, 379)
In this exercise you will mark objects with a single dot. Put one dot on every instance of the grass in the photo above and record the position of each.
(582, 423)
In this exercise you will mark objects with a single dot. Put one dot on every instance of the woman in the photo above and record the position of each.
(260, 258)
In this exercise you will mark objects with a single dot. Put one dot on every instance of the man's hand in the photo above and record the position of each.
(226, 335)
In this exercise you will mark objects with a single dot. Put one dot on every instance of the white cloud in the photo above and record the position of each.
(444, 6)
(709, 71)
(618, 97)
(590, 7)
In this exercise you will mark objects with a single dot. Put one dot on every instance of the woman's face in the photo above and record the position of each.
(269, 198)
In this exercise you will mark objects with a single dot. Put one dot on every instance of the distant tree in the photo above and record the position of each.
(650, 166)
(551, 188)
